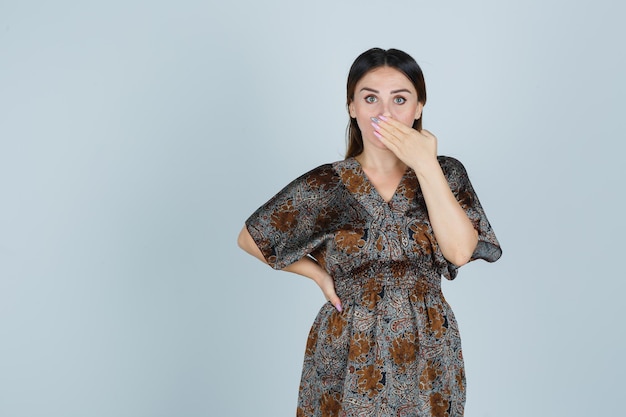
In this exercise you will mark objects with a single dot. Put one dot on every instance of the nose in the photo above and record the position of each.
(385, 110)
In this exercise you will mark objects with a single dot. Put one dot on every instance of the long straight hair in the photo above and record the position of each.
(368, 61)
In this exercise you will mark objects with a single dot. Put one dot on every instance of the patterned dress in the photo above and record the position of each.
(395, 349)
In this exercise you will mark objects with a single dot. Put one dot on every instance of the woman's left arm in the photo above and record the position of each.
(453, 230)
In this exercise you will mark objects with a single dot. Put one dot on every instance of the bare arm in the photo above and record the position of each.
(306, 267)
(453, 230)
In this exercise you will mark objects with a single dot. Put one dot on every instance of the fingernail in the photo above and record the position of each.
(375, 119)
(383, 118)
(378, 135)
(338, 307)
(375, 126)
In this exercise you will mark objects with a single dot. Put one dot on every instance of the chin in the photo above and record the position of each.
(377, 143)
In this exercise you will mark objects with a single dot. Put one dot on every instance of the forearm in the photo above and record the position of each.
(307, 266)
(453, 230)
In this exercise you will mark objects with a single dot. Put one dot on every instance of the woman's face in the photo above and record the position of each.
(384, 91)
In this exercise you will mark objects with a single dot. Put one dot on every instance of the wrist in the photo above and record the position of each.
(427, 167)
(320, 275)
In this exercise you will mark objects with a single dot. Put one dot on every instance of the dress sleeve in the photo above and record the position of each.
(488, 247)
(290, 225)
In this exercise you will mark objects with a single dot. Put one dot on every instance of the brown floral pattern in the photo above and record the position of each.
(370, 380)
(330, 404)
(286, 217)
(371, 295)
(421, 234)
(350, 241)
(403, 350)
(395, 349)
(360, 346)
(335, 325)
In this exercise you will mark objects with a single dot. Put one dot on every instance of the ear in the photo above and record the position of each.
(352, 110)
(418, 111)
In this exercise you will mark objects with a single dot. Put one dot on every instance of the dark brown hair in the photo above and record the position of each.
(372, 59)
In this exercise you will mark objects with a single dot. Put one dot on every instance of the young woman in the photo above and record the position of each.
(376, 232)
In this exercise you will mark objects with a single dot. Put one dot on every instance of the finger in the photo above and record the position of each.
(426, 133)
(386, 129)
(390, 143)
(397, 132)
(331, 295)
(335, 301)
(388, 133)
(394, 125)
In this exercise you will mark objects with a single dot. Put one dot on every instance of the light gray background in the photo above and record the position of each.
(136, 137)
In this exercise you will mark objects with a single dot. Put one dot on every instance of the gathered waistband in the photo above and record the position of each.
(395, 275)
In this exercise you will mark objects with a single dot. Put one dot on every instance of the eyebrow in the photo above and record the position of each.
(402, 90)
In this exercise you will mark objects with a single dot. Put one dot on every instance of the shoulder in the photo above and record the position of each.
(451, 167)
(320, 179)
(449, 163)
(453, 170)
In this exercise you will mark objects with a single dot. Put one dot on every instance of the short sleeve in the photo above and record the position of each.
(290, 225)
(488, 247)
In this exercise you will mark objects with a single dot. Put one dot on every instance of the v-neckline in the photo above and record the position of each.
(373, 188)
(363, 191)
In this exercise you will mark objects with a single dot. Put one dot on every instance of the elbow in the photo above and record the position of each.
(240, 240)
(247, 243)
(463, 254)
(459, 259)
(243, 240)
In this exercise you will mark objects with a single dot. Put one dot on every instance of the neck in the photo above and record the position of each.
(382, 160)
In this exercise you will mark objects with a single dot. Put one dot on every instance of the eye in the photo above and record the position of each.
(371, 99)
(399, 100)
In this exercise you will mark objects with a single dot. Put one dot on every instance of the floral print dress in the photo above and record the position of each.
(395, 348)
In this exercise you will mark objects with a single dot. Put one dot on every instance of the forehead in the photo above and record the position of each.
(385, 78)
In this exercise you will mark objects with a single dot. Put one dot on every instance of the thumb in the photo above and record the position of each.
(328, 288)
(335, 301)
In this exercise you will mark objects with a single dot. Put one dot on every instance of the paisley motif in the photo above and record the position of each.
(395, 350)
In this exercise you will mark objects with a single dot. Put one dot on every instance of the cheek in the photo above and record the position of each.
(364, 123)
(405, 115)
(363, 113)
(363, 118)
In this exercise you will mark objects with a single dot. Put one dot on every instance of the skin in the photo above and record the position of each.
(389, 147)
